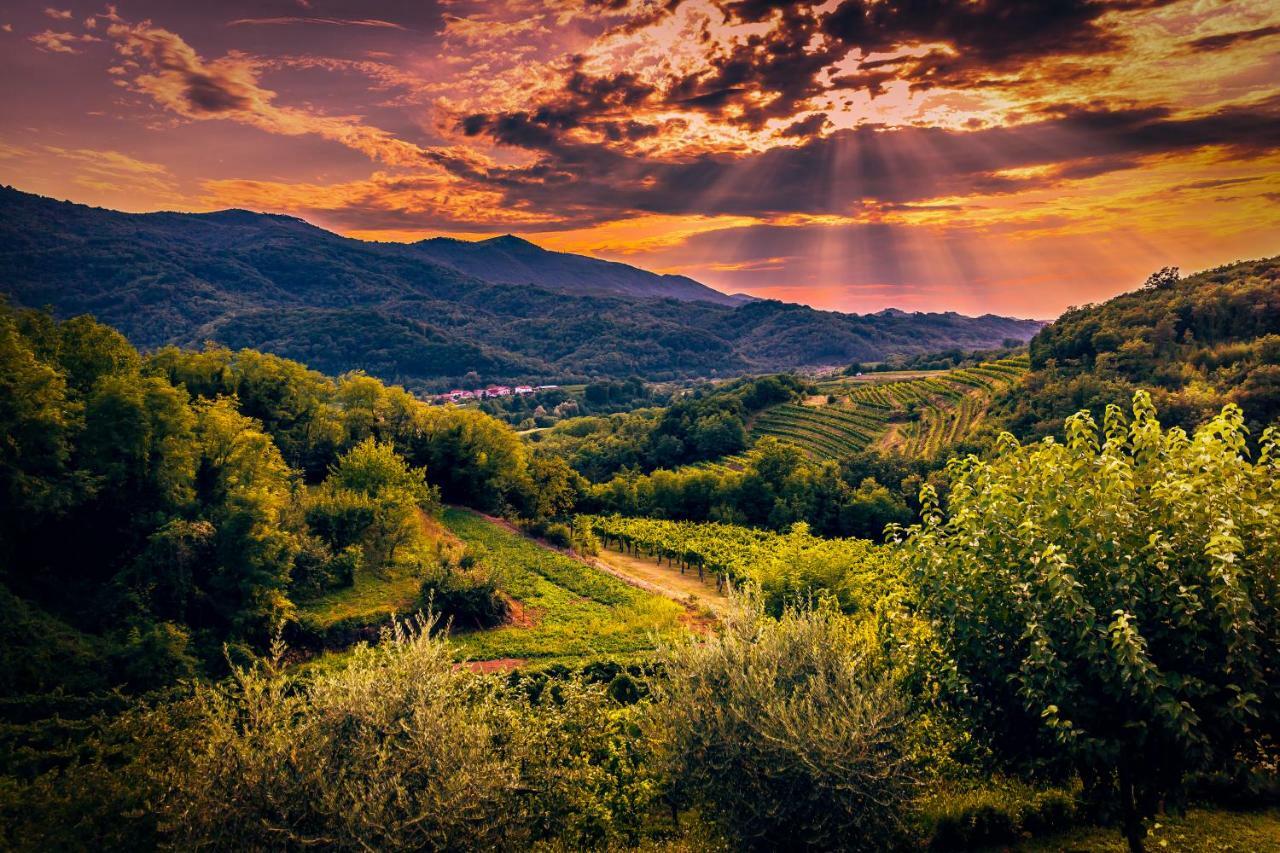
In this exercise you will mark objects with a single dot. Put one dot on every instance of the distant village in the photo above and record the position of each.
(458, 395)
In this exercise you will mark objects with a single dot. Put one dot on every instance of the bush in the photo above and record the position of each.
(317, 569)
(996, 816)
(467, 599)
(575, 535)
(789, 733)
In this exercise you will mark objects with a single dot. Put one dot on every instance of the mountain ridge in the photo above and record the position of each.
(284, 285)
(508, 259)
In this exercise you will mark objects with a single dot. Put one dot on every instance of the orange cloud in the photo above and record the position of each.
(61, 42)
(227, 88)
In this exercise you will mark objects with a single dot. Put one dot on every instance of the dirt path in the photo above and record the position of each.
(666, 580)
(697, 597)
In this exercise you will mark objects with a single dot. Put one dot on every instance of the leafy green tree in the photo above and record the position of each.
(89, 350)
(246, 491)
(720, 434)
(1113, 599)
(371, 481)
(38, 421)
(475, 459)
(553, 487)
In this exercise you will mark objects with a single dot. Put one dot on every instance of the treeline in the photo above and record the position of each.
(708, 423)
(173, 503)
(649, 463)
(946, 359)
(1196, 343)
(774, 486)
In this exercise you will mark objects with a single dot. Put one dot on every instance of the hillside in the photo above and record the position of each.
(1197, 343)
(511, 260)
(918, 414)
(279, 284)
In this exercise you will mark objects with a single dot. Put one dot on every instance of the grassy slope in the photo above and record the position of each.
(570, 610)
(372, 597)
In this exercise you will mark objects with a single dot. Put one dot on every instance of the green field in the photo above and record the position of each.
(568, 610)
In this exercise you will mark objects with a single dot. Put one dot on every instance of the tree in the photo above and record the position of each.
(553, 487)
(245, 490)
(1113, 600)
(37, 423)
(393, 492)
(1162, 279)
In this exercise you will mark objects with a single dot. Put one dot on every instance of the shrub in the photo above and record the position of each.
(993, 816)
(317, 569)
(466, 598)
(788, 733)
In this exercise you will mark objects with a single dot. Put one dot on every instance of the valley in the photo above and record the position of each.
(669, 426)
(604, 592)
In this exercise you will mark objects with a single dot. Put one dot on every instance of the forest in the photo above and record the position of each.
(248, 605)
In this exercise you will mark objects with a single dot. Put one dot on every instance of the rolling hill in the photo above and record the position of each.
(280, 284)
(511, 260)
(1196, 342)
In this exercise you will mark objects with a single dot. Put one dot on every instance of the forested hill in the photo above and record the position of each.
(1197, 343)
(279, 284)
(511, 260)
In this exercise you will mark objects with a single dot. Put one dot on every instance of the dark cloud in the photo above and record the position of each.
(212, 94)
(1226, 40)
(775, 74)
(809, 126)
(837, 173)
(985, 36)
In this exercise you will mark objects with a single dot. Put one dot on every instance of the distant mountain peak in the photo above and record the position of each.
(510, 240)
(509, 259)
(427, 312)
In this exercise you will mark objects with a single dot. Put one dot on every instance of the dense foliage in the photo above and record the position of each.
(1095, 616)
(706, 423)
(774, 486)
(792, 733)
(171, 503)
(398, 750)
(1112, 600)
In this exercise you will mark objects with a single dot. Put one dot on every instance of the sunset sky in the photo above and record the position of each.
(1007, 157)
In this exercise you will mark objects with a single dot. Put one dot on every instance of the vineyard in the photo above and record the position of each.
(783, 566)
(918, 416)
(566, 611)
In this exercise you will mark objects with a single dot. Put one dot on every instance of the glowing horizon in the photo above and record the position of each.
(980, 157)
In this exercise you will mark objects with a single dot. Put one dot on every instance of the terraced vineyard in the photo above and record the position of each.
(917, 415)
